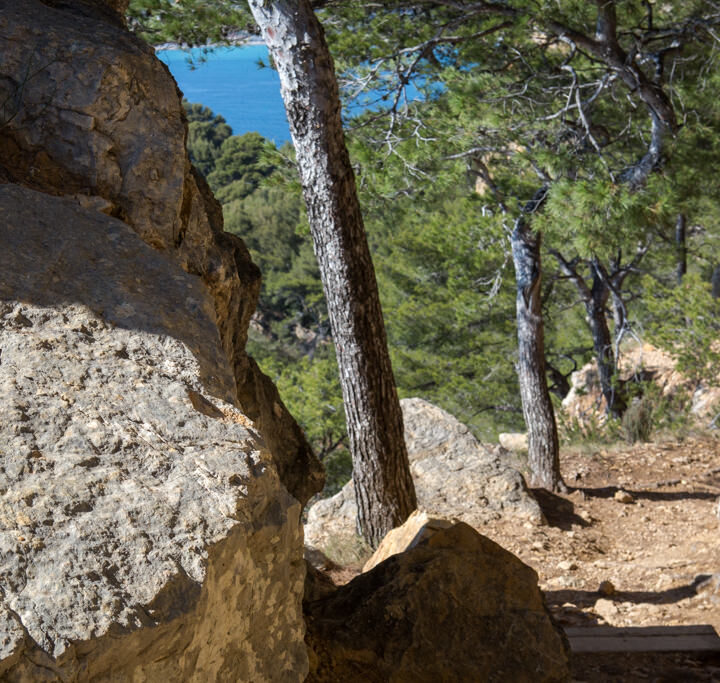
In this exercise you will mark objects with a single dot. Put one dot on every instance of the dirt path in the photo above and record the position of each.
(644, 519)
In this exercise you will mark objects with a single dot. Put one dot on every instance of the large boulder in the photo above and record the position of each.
(455, 476)
(513, 441)
(144, 533)
(89, 111)
(112, 11)
(455, 607)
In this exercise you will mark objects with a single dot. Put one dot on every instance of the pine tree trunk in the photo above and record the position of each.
(596, 308)
(618, 313)
(383, 486)
(543, 448)
(681, 247)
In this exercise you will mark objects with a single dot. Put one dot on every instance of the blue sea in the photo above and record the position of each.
(232, 84)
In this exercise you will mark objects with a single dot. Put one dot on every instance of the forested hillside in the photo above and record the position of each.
(462, 115)
(450, 334)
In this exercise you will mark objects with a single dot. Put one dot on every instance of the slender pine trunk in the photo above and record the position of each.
(543, 446)
(596, 308)
(681, 247)
(619, 322)
(715, 282)
(383, 485)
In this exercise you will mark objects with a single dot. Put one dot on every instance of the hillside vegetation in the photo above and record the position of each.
(446, 281)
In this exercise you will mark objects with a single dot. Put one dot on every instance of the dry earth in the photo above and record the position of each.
(659, 550)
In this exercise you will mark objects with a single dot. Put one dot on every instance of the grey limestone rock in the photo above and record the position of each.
(455, 476)
(89, 111)
(144, 533)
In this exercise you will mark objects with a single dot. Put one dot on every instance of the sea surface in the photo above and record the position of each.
(231, 81)
(232, 84)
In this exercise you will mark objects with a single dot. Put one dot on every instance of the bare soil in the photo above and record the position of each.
(658, 550)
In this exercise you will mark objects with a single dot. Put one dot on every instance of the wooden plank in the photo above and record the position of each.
(696, 638)
(699, 629)
(649, 644)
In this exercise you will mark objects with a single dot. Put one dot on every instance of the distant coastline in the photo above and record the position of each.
(235, 39)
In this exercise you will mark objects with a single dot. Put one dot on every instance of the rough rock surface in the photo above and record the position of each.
(89, 111)
(456, 607)
(416, 528)
(112, 11)
(144, 533)
(455, 478)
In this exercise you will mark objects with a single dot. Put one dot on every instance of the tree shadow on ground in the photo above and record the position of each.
(583, 598)
(610, 491)
(559, 512)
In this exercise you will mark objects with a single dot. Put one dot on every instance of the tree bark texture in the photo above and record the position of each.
(543, 447)
(383, 485)
(619, 322)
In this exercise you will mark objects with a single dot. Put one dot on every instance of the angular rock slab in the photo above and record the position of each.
(417, 528)
(456, 607)
(144, 533)
(455, 476)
